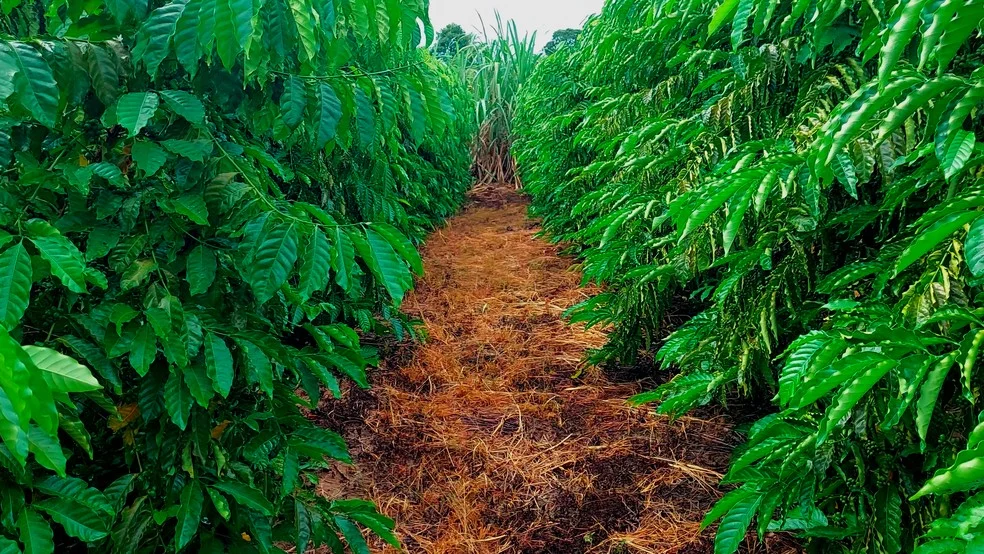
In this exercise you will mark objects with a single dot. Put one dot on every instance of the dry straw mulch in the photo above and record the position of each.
(481, 441)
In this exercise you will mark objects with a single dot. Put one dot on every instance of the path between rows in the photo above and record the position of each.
(481, 441)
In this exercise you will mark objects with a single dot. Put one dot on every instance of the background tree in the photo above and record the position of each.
(450, 40)
(561, 38)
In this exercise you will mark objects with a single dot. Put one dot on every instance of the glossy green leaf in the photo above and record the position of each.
(218, 360)
(15, 284)
(63, 373)
(34, 83)
(293, 102)
(245, 495)
(149, 157)
(273, 260)
(135, 110)
(185, 104)
(178, 400)
(35, 533)
(315, 265)
(189, 514)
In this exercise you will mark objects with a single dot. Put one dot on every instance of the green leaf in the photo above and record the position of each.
(304, 20)
(402, 245)
(186, 45)
(78, 520)
(317, 443)
(851, 394)
(149, 157)
(316, 265)
(957, 152)
(220, 503)
(143, 351)
(15, 284)
(379, 524)
(966, 20)
(293, 102)
(343, 259)
(329, 114)
(200, 270)
(966, 474)
(136, 274)
(178, 400)
(103, 73)
(35, 533)
(386, 266)
(34, 83)
(903, 27)
(721, 14)
(194, 150)
(64, 258)
(185, 104)
(154, 37)
(199, 384)
(744, 11)
(974, 247)
(731, 532)
(365, 117)
(189, 514)
(228, 42)
(349, 368)
(928, 239)
(218, 360)
(273, 259)
(192, 205)
(888, 519)
(929, 392)
(47, 450)
(246, 495)
(8, 546)
(261, 370)
(62, 373)
(353, 536)
(135, 110)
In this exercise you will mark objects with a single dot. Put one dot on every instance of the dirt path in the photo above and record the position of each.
(480, 440)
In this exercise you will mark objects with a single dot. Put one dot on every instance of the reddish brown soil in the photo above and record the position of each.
(482, 440)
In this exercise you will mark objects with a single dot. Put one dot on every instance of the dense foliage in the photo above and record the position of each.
(201, 201)
(800, 182)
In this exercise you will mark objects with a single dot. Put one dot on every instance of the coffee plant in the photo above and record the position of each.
(800, 182)
(204, 204)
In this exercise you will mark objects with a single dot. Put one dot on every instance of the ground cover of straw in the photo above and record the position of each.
(481, 441)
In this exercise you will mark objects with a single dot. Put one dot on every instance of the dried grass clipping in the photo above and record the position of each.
(480, 441)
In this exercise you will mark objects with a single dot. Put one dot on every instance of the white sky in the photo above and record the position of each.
(542, 16)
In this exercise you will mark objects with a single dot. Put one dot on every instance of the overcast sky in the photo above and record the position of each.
(542, 16)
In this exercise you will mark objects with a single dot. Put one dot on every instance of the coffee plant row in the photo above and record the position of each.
(797, 185)
(204, 205)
